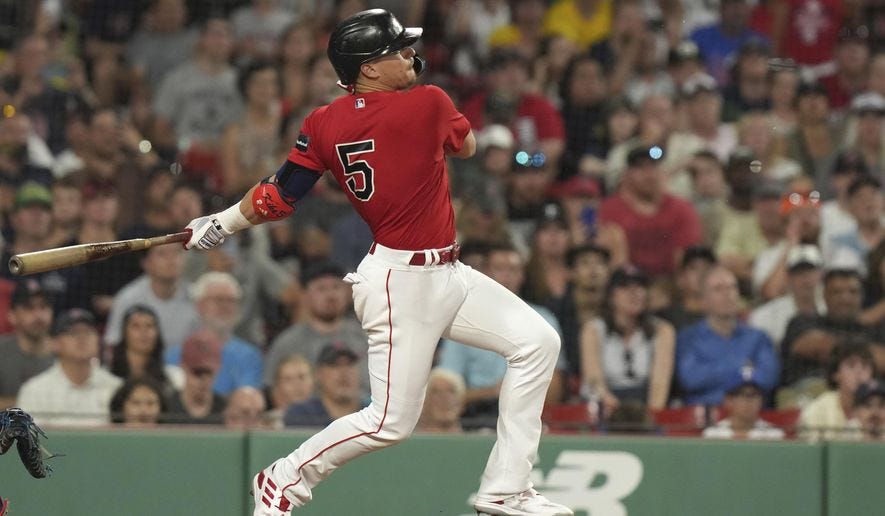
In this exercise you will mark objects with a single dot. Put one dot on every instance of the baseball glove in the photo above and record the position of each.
(18, 426)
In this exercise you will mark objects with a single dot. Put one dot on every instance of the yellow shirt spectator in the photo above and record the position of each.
(565, 19)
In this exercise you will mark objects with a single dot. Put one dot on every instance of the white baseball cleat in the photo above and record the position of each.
(527, 503)
(268, 494)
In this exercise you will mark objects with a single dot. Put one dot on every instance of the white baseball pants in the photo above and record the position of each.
(405, 309)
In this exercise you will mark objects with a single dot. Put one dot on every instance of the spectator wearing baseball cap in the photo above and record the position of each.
(722, 40)
(749, 86)
(658, 226)
(197, 403)
(869, 410)
(688, 307)
(744, 397)
(710, 193)
(850, 73)
(30, 222)
(702, 100)
(337, 389)
(75, 391)
(325, 319)
(868, 110)
(26, 351)
(804, 295)
(579, 197)
(683, 61)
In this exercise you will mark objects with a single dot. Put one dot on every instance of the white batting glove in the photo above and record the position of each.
(206, 233)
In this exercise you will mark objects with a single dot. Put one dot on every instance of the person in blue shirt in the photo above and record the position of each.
(720, 42)
(217, 297)
(712, 351)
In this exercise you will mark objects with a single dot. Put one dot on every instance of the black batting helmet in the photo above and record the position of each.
(365, 36)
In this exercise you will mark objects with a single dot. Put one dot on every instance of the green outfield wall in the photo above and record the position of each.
(206, 472)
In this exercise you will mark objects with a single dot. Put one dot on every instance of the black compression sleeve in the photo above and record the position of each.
(295, 180)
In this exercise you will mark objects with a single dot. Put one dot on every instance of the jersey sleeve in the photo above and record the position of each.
(306, 151)
(453, 126)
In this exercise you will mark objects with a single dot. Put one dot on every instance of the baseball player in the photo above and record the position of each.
(386, 144)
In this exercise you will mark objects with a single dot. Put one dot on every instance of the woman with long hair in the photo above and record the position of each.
(140, 352)
(627, 353)
(139, 402)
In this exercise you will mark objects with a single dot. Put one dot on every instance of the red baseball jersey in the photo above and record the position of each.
(387, 151)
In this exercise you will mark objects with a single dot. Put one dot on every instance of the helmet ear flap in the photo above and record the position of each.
(419, 65)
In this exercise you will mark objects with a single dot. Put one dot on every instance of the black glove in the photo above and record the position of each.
(18, 426)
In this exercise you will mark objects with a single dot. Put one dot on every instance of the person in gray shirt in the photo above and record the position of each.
(326, 321)
(199, 98)
(27, 351)
(162, 43)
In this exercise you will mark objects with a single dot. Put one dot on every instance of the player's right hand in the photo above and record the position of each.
(206, 233)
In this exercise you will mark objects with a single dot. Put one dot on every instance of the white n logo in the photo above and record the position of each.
(570, 481)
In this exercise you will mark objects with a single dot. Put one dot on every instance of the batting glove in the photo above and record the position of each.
(206, 233)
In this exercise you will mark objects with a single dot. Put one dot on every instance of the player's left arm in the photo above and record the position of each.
(468, 148)
(271, 199)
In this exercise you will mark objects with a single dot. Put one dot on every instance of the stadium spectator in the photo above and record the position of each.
(688, 307)
(749, 86)
(850, 73)
(868, 110)
(297, 46)
(27, 351)
(807, 30)
(865, 203)
(814, 142)
(683, 61)
(585, 22)
(800, 212)
(744, 397)
(140, 352)
(650, 76)
(803, 297)
(784, 85)
(156, 217)
(197, 403)
(75, 391)
(711, 351)
(483, 369)
(619, 53)
(30, 222)
(257, 28)
(325, 320)
(249, 145)
(26, 156)
(245, 409)
(198, 99)
(583, 91)
(535, 122)
(443, 403)
(710, 194)
(810, 339)
(162, 289)
(67, 205)
(337, 376)
(217, 297)
(722, 41)
(92, 286)
(702, 103)
(162, 42)
(756, 133)
(547, 272)
(139, 403)
(850, 366)
(869, 410)
(523, 33)
(874, 288)
(835, 214)
(292, 384)
(658, 225)
(627, 353)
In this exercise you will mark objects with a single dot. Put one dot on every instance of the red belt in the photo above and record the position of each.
(445, 256)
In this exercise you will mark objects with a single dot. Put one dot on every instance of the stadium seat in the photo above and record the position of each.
(569, 418)
(683, 421)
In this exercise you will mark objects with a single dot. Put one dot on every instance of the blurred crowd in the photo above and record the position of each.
(690, 191)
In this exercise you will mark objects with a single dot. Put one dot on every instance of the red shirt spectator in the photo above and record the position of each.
(657, 225)
(808, 29)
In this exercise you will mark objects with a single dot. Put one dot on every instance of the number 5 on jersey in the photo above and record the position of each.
(360, 175)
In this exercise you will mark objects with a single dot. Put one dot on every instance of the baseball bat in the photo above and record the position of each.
(61, 257)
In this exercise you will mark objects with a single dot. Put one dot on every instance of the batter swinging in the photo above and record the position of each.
(386, 144)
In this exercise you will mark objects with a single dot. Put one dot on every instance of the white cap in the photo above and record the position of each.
(870, 101)
(495, 135)
(805, 254)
